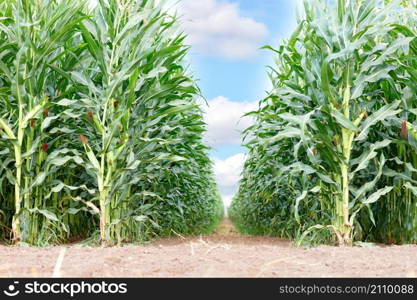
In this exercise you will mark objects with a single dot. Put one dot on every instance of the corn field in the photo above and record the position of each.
(333, 152)
(101, 134)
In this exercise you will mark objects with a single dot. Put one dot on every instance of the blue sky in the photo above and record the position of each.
(245, 79)
(226, 37)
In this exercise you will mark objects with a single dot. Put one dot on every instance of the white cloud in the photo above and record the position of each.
(227, 201)
(225, 121)
(217, 28)
(227, 174)
(228, 171)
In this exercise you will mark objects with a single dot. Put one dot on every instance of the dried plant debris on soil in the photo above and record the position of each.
(224, 254)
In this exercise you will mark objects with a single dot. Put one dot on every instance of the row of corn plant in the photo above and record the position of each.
(35, 36)
(100, 128)
(329, 112)
(395, 216)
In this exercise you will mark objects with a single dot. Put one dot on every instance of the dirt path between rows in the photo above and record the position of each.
(224, 254)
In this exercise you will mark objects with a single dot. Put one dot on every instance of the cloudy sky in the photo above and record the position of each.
(225, 36)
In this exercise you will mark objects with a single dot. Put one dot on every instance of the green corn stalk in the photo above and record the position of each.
(395, 216)
(24, 69)
(134, 86)
(326, 102)
(112, 76)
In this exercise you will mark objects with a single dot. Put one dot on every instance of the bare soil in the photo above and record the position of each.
(224, 254)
